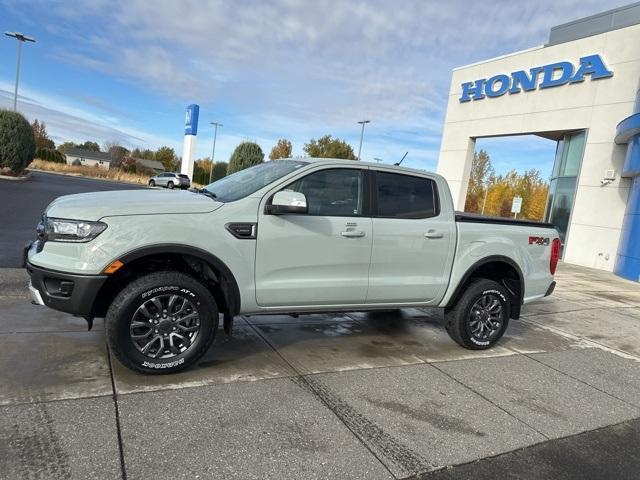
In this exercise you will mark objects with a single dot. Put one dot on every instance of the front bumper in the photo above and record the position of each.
(69, 293)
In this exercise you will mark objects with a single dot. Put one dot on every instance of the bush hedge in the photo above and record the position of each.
(17, 143)
(50, 155)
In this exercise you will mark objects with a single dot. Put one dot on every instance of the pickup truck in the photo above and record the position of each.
(288, 236)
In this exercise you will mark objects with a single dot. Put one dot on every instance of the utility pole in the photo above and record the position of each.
(21, 39)
(362, 122)
(213, 153)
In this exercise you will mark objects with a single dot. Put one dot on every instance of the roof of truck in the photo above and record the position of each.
(342, 161)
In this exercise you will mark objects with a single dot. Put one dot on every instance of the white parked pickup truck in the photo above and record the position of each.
(288, 236)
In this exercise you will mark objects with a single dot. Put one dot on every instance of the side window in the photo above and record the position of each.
(333, 192)
(405, 196)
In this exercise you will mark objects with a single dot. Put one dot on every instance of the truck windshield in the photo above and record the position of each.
(245, 182)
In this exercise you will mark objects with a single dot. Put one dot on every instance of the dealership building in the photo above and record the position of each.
(581, 90)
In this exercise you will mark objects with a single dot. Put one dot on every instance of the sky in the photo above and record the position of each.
(114, 70)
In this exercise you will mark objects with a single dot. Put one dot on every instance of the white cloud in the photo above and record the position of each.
(301, 69)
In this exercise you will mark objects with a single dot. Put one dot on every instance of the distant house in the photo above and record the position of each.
(154, 165)
(87, 157)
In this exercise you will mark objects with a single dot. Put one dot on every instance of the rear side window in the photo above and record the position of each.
(182, 175)
(405, 196)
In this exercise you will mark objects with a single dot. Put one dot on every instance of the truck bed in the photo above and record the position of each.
(477, 218)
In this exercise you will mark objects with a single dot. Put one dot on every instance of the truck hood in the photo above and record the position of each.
(94, 206)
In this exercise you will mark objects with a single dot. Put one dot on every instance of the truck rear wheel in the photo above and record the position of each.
(481, 315)
(161, 323)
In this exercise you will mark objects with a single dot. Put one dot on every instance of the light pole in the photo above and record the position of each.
(21, 39)
(362, 122)
(486, 194)
(213, 153)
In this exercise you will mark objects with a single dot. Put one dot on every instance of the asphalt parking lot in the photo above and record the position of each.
(23, 203)
(364, 396)
(384, 395)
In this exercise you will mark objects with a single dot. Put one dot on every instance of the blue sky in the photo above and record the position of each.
(110, 70)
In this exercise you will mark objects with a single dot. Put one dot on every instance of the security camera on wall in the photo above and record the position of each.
(609, 176)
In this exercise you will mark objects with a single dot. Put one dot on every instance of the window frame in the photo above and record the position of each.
(374, 195)
(365, 191)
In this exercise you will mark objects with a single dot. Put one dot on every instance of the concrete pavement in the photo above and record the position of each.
(384, 395)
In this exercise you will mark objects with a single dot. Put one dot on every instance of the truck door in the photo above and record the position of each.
(321, 257)
(413, 243)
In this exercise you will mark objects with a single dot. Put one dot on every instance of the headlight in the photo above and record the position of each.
(63, 230)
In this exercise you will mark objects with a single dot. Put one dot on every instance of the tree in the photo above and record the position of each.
(481, 174)
(41, 136)
(244, 156)
(118, 153)
(166, 156)
(327, 147)
(65, 146)
(282, 149)
(88, 145)
(17, 142)
(219, 171)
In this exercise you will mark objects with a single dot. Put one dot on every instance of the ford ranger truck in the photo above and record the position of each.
(288, 236)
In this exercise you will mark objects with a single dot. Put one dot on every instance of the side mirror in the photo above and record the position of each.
(287, 201)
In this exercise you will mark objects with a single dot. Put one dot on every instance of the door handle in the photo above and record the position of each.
(352, 233)
(433, 234)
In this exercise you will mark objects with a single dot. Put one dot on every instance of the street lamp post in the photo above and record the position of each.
(21, 39)
(486, 194)
(362, 122)
(213, 153)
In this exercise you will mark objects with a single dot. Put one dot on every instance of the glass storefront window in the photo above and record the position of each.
(572, 155)
(562, 185)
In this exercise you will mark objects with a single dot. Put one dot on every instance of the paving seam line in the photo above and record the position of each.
(53, 400)
(540, 314)
(117, 414)
(311, 388)
(593, 343)
(635, 407)
(491, 402)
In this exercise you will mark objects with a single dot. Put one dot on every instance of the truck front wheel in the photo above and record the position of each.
(161, 323)
(481, 315)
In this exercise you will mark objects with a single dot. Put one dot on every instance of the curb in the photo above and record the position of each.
(79, 175)
(16, 179)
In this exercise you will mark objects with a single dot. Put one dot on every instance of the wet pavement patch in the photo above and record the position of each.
(37, 367)
(245, 357)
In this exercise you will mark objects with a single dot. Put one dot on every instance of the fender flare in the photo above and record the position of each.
(231, 294)
(515, 312)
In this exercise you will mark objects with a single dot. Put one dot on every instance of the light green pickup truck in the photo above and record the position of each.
(288, 236)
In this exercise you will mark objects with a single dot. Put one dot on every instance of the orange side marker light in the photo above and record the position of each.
(113, 267)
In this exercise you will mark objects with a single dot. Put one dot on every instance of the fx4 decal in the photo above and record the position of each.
(538, 240)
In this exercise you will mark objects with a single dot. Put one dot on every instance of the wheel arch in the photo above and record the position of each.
(500, 268)
(225, 287)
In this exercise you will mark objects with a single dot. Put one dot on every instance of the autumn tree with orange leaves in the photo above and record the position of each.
(496, 192)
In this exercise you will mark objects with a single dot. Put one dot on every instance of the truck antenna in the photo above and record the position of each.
(403, 157)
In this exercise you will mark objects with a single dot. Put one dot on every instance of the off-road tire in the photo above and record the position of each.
(121, 312)
(457, 319)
